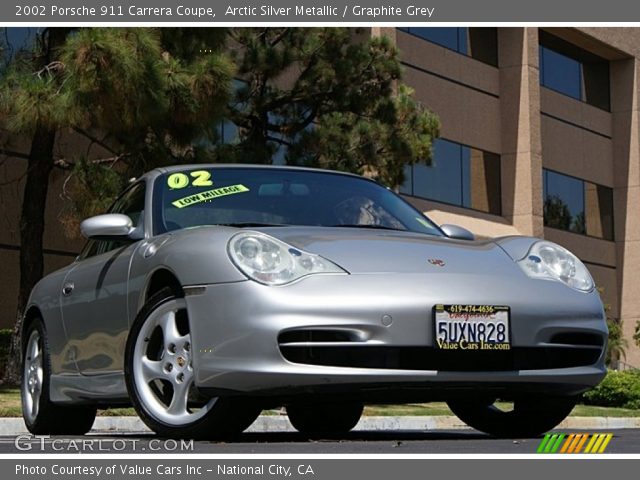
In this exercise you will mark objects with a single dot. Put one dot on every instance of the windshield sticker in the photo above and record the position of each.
(199, 178)
(209, 195)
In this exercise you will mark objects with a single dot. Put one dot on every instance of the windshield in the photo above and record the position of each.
(276, 196)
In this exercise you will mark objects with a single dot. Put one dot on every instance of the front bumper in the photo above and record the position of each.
(352, 334)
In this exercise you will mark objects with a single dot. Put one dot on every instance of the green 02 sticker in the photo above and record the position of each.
(197, 178)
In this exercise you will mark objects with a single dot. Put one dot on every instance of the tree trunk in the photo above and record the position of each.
(39, 166)
(34, 200)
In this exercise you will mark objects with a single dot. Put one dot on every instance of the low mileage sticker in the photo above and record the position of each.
(209, 195)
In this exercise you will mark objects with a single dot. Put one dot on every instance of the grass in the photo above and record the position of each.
(440, 408)
(10, 407)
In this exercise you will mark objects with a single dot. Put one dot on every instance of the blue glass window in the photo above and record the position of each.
(560, 73)
(577, 206)
(459, 175)
(449, 37)
(572, 71)
(479, 43)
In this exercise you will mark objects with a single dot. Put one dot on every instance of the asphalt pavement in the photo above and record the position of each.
(357, 442)
(274, 435)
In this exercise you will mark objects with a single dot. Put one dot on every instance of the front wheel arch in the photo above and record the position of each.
(159, 280)
(223, 416)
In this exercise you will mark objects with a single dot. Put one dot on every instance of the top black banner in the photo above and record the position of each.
(306, 11)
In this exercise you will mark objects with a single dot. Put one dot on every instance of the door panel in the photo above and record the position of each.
(95, 312)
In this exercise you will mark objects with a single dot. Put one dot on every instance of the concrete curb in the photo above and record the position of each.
(280, 423)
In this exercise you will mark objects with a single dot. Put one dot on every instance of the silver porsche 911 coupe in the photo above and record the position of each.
(211, 292)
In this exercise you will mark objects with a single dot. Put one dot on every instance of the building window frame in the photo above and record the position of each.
(457, 50)
(410, 178)
(599, 68)
(583, 181)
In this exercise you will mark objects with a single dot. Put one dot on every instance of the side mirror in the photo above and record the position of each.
(112, 226)
(454, 231)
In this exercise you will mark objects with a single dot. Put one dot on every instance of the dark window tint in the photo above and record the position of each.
(280, 196)
(130, 203)
(577, 206)
(480, 43)
(560, 73)
(574, 72)
(459, 175)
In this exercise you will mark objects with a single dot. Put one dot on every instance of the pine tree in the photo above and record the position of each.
(328, 98)
(142, 95)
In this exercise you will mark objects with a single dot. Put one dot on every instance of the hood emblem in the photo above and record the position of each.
(437, 262)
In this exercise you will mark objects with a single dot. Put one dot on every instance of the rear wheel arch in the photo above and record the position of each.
(32, 314)
(41, 415)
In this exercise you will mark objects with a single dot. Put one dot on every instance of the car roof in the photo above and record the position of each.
(177, 168)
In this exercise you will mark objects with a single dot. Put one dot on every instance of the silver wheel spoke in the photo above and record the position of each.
(170, 329)
(179, 401)
(37, 389)
(33, 350)
(152, 369)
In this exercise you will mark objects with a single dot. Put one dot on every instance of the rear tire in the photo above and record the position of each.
(324, 418)
(41, 416)
(530, 417)
(160, 377)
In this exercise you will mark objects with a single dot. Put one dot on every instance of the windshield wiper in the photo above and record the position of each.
(378, 227)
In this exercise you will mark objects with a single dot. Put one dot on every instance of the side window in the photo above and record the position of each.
(130, 203)
(90, 249)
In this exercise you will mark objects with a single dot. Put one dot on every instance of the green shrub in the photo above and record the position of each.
(618, 389)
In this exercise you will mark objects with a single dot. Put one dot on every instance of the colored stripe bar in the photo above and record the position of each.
(550, 443)
(543, 443)
(591, 443)
(584, 439)
(574, 443)
(576, 439)
(605, 443)
(596, 446)
(567, 443)
(555, 447)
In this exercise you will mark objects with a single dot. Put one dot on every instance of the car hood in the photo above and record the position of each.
(384, 251)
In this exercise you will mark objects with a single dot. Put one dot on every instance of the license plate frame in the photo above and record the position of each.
(472, 327)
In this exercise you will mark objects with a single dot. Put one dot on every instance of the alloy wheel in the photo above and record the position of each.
(163, 369)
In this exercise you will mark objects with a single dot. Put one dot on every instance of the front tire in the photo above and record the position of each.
(41, 416)
(530, 417)
(160, 377)
(324, 418)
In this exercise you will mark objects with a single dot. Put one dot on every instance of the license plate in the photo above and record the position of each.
(472, 327)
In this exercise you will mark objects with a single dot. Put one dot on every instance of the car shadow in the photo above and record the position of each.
(361, 435)
(296, 437)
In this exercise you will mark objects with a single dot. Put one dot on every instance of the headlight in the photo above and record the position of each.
(548, 260)
(268, 260)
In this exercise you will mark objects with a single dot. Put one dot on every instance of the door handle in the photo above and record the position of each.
(67, 289)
